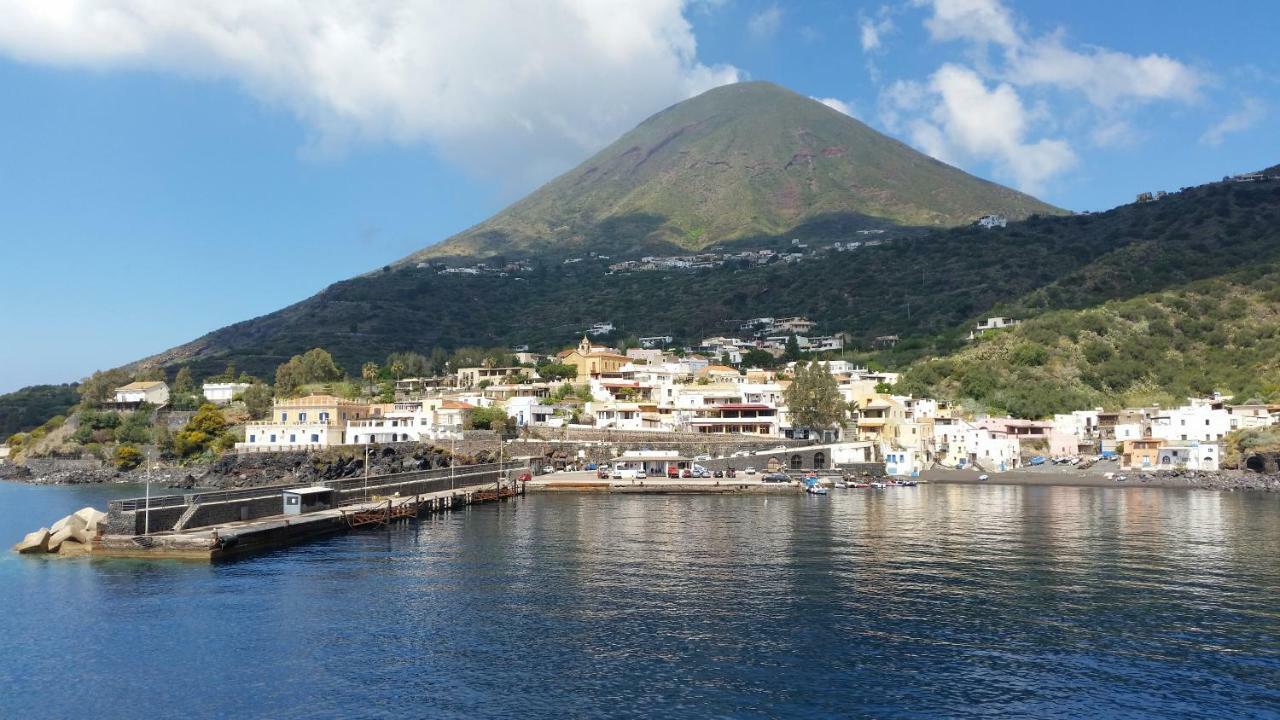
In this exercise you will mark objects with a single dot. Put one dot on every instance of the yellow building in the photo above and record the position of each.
(593, 362)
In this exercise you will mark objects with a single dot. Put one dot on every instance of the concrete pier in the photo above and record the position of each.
(178, 531)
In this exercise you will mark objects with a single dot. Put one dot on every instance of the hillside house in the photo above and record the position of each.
(134, 394)
(222, 393)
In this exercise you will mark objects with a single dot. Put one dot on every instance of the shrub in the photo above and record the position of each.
(127, 457)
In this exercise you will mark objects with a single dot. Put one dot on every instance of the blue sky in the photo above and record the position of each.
(169, 169)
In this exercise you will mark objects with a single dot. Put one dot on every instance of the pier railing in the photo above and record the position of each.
(446, 479)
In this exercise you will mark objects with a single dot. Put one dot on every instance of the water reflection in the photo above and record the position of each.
(937, 601)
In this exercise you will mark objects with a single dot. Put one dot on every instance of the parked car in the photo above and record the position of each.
(524, 477)
(547, 470)
(751, 470)
(591, 466)
(731, 473)
(717, 473)
(641, 474)
(603, 473)
(776, 477)
(686, 473)
(673, 472)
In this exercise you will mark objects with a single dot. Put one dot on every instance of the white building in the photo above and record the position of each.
(530, 411)
(656, 341)
(992, 221)
(993, 323)
(600, 328)
(1194, 456)
(145, 391)
(1190, 423)
(223, 392)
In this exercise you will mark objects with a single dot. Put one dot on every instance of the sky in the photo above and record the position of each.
(170, 168)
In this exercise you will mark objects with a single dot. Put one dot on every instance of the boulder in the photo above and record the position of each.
(69, 533)
(74, 521)
(74, 548)
(36, 542)
(92, 518)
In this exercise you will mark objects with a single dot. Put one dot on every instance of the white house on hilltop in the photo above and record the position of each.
(223, 393)
(145, 391)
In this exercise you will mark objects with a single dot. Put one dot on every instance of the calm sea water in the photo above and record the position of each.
(938, 601)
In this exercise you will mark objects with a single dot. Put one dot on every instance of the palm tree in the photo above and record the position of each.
(370, 373)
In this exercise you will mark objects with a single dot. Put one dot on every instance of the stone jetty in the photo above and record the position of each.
(72, 535)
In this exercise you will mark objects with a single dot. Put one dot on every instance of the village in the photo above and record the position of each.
(660, 395)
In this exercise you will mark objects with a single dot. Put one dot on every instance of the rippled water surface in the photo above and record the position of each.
(937, 601)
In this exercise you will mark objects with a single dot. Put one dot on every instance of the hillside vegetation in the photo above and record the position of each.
(26, 409)
(738, 162)
(1221, 334)
(927, 289)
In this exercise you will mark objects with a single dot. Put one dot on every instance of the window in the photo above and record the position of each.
(293, 438)
(302, 417)
(253, 438)
(315, 437)
(324, 417)
(284, 417)
(796, 462)
(273, 439)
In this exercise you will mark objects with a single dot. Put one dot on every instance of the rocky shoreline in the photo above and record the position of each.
(247, 471)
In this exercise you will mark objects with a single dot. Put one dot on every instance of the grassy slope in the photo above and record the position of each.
(738, 161)
(946, 278)
(1165, 333)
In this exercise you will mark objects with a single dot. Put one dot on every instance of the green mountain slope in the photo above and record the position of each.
(927, 289)
(737, 162)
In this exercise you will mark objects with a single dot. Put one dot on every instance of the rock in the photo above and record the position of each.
(92, 518)
(36, 542)
(71, 533)
(75, 548)
(73, 520)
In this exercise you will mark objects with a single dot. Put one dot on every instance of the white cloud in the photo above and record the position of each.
(1106, 77)
(499, 86)
(976, 20)
(958, 119)
(765, 23)
(838, 105)
(873, 31)
(1249, 115)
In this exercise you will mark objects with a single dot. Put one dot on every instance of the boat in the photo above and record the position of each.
(878, 485)
(860, 485)
(908, 483)
(816, 490)
(841, 484)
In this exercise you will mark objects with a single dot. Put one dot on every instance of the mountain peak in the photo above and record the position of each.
(737, 162)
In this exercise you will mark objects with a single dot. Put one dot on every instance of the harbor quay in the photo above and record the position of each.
(222, 525)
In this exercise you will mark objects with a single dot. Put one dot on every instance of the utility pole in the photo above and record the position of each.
(366, 472)
(146, 519)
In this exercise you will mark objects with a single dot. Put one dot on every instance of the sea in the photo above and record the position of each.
(938, 601)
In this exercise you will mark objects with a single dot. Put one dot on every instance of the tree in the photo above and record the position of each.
(488, 418)
(101, 386)
(758, 358)
(318, 366)
(201, 431)
(813, 398)
(792, 351)
(257, 400)
(369, 371)
(289, 377)
(556, 371)
(183, 382)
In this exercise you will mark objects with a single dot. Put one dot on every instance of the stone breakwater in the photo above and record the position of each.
(72, 535)
(255, 470)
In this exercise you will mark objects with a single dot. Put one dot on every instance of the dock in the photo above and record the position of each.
(223, 525)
